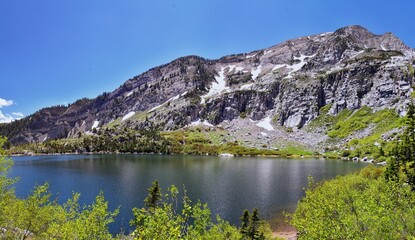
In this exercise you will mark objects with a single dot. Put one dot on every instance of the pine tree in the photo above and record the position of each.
(246, 221)
(403, 154)
(154, 195)
(254, 232)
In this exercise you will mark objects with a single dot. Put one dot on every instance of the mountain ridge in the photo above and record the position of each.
(287, 83)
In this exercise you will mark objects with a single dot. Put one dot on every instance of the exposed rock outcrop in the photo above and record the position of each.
(288, 82)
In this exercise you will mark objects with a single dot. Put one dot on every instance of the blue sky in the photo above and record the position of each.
(54, 52)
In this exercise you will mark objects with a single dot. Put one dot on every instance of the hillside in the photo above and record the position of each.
(304, 91)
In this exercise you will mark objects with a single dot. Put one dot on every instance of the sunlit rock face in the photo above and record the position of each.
(288, 83)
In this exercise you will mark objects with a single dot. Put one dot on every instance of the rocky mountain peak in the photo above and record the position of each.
(364, 39)
(356, 31)
(389, 41)
(288, 83)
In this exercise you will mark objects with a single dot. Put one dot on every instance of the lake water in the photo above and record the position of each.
(228, 185)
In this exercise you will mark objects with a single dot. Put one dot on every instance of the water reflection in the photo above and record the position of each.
(228, 185)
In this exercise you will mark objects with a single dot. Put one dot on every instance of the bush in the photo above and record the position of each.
(346, 153)
(39, 217)
(165, 221)
(362, 206)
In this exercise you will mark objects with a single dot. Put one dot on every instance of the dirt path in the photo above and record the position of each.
(286, 235)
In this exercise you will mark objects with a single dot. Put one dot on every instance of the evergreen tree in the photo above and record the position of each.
(381, 152)
(253, 227)
(403, 154)
(245, 222)
(154, 195)
(392, 170)
(254, 231)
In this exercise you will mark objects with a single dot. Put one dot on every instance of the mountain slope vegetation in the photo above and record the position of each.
(273, 97)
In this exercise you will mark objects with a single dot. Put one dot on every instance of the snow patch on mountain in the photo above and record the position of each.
(200, 122)
(278, 66)
(247, 86)
(256, 72)
(127, 116)
(268, 51)
(234, 68)
(95, 125)
(170, 99)
(266, 124)
(298, 66)
(217, 87)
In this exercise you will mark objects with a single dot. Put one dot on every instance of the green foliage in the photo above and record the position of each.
(402, 162)
(384, 120)
(166, 221)
(362, 206)
(253, 227)
(411, 71)
(326, 120)
(295, 151)
(246, 222)
(357, 121)
(380, 122)
(5, 165)
(13, 128)
(199, 140)
(242, 115)
(108, 140)
(154, 195)
(180, 219)
(346, 153)
(213, 141)
(347, 122)
(39, 217)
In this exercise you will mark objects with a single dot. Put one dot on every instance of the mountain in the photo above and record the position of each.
(270, 95)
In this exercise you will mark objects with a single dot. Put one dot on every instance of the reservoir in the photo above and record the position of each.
(228, 185)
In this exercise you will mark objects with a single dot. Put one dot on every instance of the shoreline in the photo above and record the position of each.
(290, 235)
(144, 153)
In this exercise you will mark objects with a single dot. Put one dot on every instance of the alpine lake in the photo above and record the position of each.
(228, 184)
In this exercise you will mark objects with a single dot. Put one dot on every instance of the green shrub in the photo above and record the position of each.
(362, 206)
(346, 153)
(242, 115)
(193, 221)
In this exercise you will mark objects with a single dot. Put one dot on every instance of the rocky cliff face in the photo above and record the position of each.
(284, 85)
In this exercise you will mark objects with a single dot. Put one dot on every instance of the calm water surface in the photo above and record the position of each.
(228, 185)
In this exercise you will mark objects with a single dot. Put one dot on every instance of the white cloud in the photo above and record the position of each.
(5, 103)
(6, 118)
(17, 115)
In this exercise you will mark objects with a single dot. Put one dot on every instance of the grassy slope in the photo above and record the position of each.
(357, 133)
(209, 140)
(347, 124)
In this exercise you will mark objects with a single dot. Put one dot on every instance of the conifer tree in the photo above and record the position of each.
(403, 154)
(154, 195)
(254, 232)
(245, 222)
